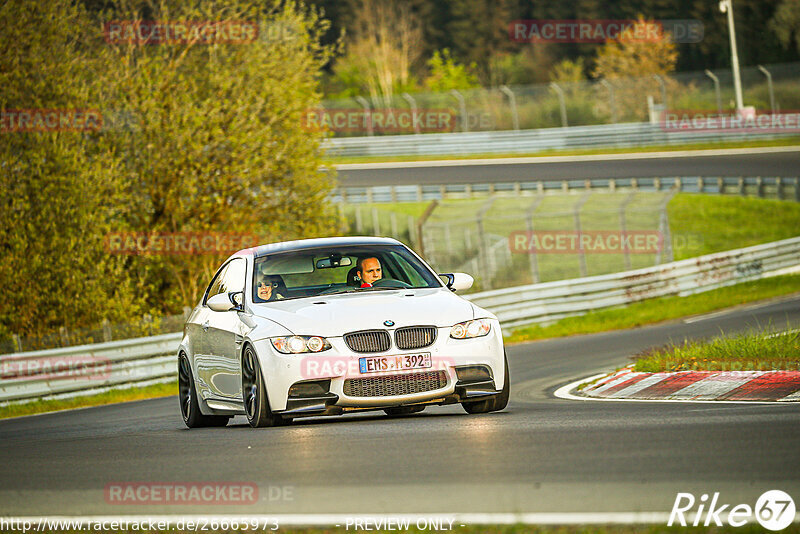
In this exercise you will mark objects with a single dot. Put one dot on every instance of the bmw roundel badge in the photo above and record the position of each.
(388, 323)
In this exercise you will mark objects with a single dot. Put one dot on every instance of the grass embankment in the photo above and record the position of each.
(767, 350)
(790, 141)
(660, 309)
(109, 397)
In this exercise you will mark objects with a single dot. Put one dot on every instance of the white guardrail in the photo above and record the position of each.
(635, 134)
(88, 369)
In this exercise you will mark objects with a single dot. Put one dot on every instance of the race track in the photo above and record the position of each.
(784, 161)
(542, 454)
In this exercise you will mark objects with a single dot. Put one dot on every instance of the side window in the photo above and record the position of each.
(216, 286)
(234, 276)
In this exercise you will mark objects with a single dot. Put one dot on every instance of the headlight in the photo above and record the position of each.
(299, 344)
(468, 329)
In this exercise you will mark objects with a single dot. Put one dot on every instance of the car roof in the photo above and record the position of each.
(307, 244)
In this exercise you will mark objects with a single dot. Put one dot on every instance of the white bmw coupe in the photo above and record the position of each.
(334, 326)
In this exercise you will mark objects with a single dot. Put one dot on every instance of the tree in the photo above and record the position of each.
(446, 74)
(638, 62)
(786, 23)
(384, 43)
(219, 147)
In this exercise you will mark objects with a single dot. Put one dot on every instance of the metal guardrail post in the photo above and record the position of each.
(462, 105)
(367, 113)
(576, 211)
(413, 103)
(766, 73)
(512, 100)
(562, 103)
(716, 89)
(605, 83)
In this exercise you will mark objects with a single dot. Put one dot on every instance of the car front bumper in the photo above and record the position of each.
(340, 366)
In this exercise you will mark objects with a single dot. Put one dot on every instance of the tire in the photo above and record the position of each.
(254, 393)
(403, 410)
(187, 395)
(496, 403)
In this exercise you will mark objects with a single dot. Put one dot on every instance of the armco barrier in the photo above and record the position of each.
(85, 369)
(551, 301)
(635, 134)
(758, 186)
(27, 375)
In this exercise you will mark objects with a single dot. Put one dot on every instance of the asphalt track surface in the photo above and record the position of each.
(542, 454)
(785, 164)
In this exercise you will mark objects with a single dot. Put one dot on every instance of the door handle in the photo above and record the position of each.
(205, 326)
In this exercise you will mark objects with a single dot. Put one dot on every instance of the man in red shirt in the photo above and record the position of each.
(369, 270)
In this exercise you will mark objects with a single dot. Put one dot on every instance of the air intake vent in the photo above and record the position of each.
(386, 386)
(414, 337)
(368, 341)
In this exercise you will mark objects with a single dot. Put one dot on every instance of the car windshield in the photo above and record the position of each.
(345, 269)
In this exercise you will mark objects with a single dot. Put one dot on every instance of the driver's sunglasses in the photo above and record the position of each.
(262, 283)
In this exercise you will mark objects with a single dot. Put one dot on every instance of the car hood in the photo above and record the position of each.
(333, 315)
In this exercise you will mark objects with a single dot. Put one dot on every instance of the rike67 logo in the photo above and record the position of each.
(774, 510)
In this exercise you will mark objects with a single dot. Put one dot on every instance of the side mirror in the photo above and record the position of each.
(456, 281)
(225, 301)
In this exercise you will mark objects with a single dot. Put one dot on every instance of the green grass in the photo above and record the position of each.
(789, 141)
(109, 397)
(765, 350)
(728, 222)
(660, 309)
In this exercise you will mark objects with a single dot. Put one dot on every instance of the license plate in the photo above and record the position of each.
(402, 362)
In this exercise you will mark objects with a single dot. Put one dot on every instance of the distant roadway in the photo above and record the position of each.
(774, 161)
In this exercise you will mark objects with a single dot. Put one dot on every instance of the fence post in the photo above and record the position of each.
(106, 330)
(666, 236)
(413, 103)
(533, 259)
(393, 222)
(576, 211)
(64, 336)
(17, 342)
(421, 222)
(482, 252)
(359, 222)
(512, 100)
(376, 223)
(760, 187)
(367, 115)
(462, 105)
(766, 73)
(660, 81)
(411, 234)
(797, 189)
(562, 103)
(605, 83)
(623, 225)
(716, 90)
